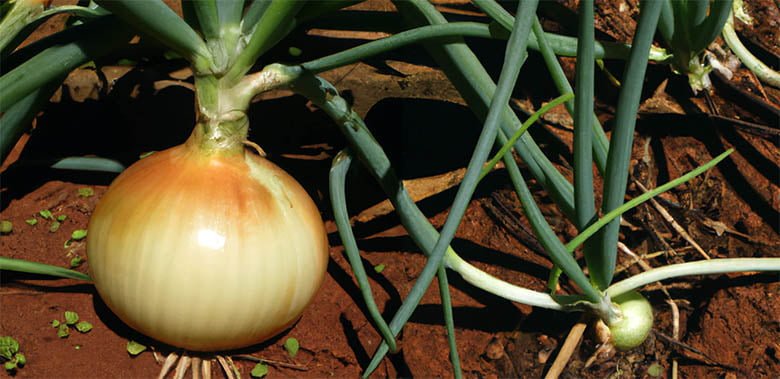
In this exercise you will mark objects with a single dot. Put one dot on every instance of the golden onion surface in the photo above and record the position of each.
(206, 252)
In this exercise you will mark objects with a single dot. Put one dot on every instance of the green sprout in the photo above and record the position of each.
(379, 268)
(78, 234)
(83, 326)
(688, 27)
(134, 348)
(76, 261)
(6, 227)
(63, 331)
(260, 370)
(31, 221)
(46, 214)
(71, 317)
(86, 192)
(9, 353)
(292, 346)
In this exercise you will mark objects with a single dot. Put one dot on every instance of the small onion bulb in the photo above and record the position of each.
(633, 327)
(207, 252)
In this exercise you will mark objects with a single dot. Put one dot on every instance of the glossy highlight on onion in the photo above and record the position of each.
(206, 252)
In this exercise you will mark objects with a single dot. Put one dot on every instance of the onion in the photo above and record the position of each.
(632, 328)
(206, 251)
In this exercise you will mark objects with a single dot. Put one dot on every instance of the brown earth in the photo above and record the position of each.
(729, 325)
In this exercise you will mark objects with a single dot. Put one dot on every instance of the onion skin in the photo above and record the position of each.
(634, 326)
(207, 252)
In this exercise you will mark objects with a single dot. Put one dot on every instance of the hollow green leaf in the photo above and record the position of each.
(616, 177)
(18, 117)
(156, 19)
(76, 46)
(513, 60)
(89, 164)
(276, 20)
(337, 186)
(40, 268)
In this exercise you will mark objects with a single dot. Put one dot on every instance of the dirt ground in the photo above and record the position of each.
(729, 325)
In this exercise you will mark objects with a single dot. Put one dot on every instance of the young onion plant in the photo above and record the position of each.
(688, 27)
(198, 249)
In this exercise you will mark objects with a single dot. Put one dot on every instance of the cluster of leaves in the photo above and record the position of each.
(71, 321)
(9, 352)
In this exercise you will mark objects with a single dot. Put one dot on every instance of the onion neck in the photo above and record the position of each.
(221, 123)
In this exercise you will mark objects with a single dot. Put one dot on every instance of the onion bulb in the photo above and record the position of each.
(206, 252)
(631, 329)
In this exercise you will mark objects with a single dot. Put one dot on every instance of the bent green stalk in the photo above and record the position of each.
(565, 46)
(511, 68)
(416, 35)
(338, 199)
(704, 267)
(475, 85)
(762, 71)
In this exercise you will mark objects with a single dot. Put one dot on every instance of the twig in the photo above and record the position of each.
(668, 217)
(564, 355)
(272, 362)
(675, 331)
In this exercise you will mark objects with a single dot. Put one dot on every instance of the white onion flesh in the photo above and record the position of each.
(206, 252)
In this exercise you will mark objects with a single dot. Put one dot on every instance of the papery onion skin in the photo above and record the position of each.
(204, 251)
(633, 327)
